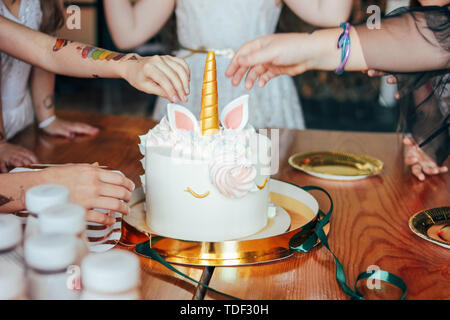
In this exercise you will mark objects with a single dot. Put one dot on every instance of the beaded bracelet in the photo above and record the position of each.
(344, 43)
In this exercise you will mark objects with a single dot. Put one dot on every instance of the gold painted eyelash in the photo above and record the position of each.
(263, 185)
(199, 196)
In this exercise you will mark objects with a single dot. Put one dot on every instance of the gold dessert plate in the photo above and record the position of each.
(432, 225)
(295, 209)
(332, 165)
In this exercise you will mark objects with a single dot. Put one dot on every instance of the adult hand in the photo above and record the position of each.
(93, 188)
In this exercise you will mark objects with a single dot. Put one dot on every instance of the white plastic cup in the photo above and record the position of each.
(67, 218)
(49, 258)
(39, 198)
(12, 281)
(112, 275)
(10, 232)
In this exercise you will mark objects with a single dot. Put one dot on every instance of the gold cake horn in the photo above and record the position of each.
(209, 114)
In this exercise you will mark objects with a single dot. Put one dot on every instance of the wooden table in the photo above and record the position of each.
(369, 224)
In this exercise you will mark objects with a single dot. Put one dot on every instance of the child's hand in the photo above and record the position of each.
(69, 129)
(390, 79)
(93, 188)
(165, 76)
(420, 163)
(270, 56)
(16, 156)
(376, 73)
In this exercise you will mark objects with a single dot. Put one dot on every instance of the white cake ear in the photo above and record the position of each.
(180, 118)
(235, 115)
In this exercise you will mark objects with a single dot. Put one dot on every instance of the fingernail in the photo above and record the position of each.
(187, 90)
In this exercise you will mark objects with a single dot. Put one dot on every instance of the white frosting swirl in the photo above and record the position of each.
(231, 177)
(229, 154)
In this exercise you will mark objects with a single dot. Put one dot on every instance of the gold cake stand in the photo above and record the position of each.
(301, 206)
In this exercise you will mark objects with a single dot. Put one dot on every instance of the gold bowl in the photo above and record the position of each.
(336, 165)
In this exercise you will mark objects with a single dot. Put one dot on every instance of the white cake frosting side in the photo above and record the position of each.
(232, 154)
(205, 188)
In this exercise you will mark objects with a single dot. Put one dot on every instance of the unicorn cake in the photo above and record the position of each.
(206, 180)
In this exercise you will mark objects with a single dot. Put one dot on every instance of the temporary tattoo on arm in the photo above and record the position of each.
(4, 200)
(60, 43)
(49, 102)
(94, 53)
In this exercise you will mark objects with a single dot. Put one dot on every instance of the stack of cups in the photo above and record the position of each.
(10, 239)
(39, 198)
(68, 219)
(113, 275)
(12, 281)
(12, 270)
(50, 261)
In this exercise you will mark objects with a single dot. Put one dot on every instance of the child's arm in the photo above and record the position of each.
(42, 85)
(132, 25)
(323, 13)
(405, 43)
(292, 54)
(161, 75)
(11, 154)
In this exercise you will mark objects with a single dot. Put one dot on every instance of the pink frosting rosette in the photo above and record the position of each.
(231, 177)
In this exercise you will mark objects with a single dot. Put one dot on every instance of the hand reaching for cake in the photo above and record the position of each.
(161, 75)
(165, 76)
(268, 57)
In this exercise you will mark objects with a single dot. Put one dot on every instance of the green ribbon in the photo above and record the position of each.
(303, 241)
(319, 234)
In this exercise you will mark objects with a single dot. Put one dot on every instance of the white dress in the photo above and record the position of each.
(16, 97)
(220, 25)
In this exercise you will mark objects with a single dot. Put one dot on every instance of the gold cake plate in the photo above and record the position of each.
(295, 209)
(332, 165)
(432, 225)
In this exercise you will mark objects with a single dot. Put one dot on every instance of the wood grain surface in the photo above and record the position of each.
(369, 224)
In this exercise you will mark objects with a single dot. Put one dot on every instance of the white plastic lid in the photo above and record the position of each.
(43, 196)
(50, 252)
(114, 271)
(10, 231)
(64, 218)
(12, 283)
